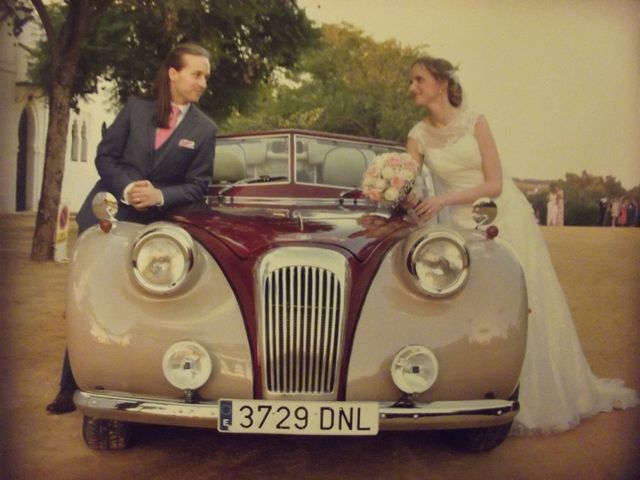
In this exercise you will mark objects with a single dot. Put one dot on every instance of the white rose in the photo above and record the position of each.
(391, 194)
(380, 160)
(408, 174)
(380, 184)
(369, 182)
(387, 172)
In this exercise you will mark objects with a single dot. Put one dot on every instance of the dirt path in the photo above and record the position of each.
(599, 269)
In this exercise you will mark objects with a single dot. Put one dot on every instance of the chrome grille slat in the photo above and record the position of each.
(301, 321)
(313, 327)
(335, 297)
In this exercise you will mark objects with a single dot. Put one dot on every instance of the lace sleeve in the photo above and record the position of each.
(417, 134)
(470, 119)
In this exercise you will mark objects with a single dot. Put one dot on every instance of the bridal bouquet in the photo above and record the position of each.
(390, 178)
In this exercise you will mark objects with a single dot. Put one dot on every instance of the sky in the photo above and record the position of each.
(558, 80)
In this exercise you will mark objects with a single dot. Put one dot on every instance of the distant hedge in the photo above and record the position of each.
(580, 214)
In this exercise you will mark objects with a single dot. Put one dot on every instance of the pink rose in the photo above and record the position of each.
(411, 164)
(374, 195)
(373, 171)
(394, 162)
(397, 181)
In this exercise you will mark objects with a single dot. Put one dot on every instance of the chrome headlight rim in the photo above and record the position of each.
(423, 239)
(185, 245)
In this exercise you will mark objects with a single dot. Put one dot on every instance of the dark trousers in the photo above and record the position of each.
(67, 382)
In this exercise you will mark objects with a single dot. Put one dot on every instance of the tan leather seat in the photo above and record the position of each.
(228, 167)
(344, 166)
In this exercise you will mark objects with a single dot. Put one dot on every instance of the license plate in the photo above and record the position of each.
(298, 418)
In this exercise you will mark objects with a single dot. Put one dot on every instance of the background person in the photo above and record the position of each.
(557, 387)
(632, 213)
(615, 211)
(157, 154)
(603, 209)
(622, 216)
(560, 202)
(552, 206)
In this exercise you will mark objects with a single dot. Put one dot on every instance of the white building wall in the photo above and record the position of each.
(17, 96)
(80, 174)
(9, 137)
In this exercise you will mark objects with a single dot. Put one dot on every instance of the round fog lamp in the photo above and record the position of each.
(186, 365)
(414, 369)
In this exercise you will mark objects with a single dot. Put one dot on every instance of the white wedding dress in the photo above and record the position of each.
(557, 387)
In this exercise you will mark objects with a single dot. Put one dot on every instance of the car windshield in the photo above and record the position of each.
(315, 161)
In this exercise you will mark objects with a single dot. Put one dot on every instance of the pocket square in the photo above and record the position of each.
(185, 143)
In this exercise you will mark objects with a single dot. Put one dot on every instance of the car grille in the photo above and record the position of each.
(301, 325)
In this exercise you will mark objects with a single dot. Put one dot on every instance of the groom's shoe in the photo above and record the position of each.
(63, 403)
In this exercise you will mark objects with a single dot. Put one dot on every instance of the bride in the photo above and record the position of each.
(557, 387)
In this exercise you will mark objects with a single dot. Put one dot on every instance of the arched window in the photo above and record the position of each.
(74, 141)
(104, 128)
(83, 146)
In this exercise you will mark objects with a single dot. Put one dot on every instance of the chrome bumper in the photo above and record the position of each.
(168, 411)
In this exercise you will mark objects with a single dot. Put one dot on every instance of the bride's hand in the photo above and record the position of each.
(410, 201)
(426, 208)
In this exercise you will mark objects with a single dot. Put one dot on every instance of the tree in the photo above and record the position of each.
(125, 40)
(65, 41)
(582, 193)
(350, 84)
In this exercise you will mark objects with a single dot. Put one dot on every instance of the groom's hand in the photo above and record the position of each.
(144, 195)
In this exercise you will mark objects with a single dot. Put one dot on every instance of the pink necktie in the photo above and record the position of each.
(163, 133)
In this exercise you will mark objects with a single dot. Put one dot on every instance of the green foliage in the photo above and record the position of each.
(16, 14)
(582, 193)
(349, 84)
(581, 213)
(248, 39)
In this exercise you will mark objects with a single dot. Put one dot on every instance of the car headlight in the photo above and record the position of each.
(437, 262)
(162, 257)
(414, 369)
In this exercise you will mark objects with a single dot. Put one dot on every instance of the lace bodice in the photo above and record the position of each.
(452, 156)
(438, 137)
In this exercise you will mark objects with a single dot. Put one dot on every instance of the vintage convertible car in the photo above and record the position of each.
(291, 304)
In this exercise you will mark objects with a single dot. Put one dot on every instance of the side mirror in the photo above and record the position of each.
(484, 211)
(105, 206)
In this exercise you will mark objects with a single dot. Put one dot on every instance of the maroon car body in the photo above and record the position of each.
(288, 300)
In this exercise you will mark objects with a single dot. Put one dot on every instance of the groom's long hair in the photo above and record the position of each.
(162, 84)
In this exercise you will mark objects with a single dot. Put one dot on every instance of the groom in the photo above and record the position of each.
(156, 155)
(159, 153)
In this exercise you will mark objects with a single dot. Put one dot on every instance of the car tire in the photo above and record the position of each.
(478, 439)
(101, 434)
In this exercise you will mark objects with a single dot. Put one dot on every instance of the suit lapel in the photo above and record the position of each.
(151, 136)
(171, 143)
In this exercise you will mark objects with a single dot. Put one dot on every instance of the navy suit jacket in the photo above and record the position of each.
(181, 168)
